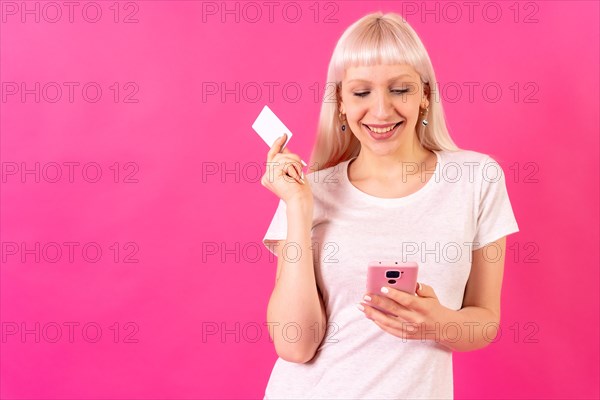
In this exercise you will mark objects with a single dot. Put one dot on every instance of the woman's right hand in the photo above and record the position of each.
(282, 175)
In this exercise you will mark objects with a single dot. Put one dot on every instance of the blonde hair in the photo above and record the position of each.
(376, 38)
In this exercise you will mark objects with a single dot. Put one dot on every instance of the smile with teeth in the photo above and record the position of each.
(383, 130)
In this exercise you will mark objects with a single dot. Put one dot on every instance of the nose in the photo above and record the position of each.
(382, 107)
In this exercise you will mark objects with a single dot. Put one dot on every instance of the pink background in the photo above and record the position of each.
(174, 215)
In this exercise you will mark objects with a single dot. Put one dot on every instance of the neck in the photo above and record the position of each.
(407, 160)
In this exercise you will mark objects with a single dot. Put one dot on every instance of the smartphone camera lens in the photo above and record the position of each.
(392, 274)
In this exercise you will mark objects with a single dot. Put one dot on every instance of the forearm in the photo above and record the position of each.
(468, 329)
(294, 307)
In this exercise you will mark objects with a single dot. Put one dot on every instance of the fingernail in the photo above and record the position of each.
(302, 174)
(302, 180)
(360, 307)
(303, 163)
(367, 298)
(384, 289)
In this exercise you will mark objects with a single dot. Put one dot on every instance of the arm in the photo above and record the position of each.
(295, 299)
(481, 303)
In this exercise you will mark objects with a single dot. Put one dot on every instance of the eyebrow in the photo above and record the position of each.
(389, 80)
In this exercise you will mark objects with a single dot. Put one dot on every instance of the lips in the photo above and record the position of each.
(383, 136)
(382, 129)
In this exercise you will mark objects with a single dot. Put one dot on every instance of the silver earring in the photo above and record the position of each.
(343, 124)
(424, 121)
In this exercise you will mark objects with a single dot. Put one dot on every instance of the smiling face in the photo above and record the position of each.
(382, 104)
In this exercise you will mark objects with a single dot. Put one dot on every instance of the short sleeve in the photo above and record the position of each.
(277, 230)
(495, 217)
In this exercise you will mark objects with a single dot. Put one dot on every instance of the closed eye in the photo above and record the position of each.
(396, 91)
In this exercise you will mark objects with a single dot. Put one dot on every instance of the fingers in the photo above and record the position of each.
(424, 290)
(372, 311)
(385, 303)
(285, 150)
(286, 167)
(418, 290)
(287, 158)
(293, 172)
(276, 147)
(289, 166)
(386, 312)
(400, 297)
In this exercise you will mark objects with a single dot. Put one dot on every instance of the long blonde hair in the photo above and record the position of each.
(376, 38)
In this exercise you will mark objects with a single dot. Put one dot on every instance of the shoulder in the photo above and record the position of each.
(471, 167)
(464, 156)
(469, 161)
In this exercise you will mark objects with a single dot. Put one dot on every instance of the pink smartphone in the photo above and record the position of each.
(392, 273)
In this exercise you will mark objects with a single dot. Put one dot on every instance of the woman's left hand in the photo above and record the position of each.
(417, 317)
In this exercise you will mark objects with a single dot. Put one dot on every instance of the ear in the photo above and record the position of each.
(426, 93)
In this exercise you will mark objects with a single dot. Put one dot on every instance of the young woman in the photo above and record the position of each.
(387, 182)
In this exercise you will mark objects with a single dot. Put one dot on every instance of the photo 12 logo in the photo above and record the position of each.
(52, 12)
(69, 252)
(68, 172)
(252, 12)
(68, 332)
(69, 92)
(454, 12)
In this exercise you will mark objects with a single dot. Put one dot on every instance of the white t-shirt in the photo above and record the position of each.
(463, 206)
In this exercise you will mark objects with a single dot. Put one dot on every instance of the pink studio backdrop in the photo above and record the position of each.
(132, 212)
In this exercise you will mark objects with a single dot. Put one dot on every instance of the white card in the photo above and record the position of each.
(270, 128)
